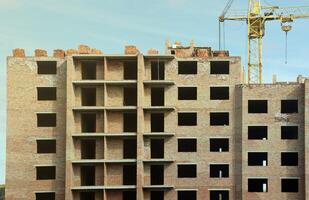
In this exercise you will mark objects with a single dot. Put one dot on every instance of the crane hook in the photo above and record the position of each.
(286, 29)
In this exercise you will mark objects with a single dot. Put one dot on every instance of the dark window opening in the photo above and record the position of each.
(219, 170)
(219, 145)
(219, 119)
(186, 145)
(187, 67)
(289, 132)
(257, 132)
(88, 122)
(186, 171)
(87, 195)
(45, 196)
(157, 70)
(47, 93)
(46, 146)
(129, 122)
(173, 52)
(156, 195)
(257, 106)
(257, 159)
(186, 195)
(129, 174)
(129, 148)
(219, 67)
(219, 93)
(157, 122)
(157, 97)
(187, 93)
(89, 70)
(88, 149)
(46, 173)
(46, 120)
(129, 96)
(257, 185)
(129, 195)
(187, 119)
(157, 174)
(89, 96)
(157, 148)
(289, 106)
(47, 67)
(289, 185)
(87, 175)
(219, 195)
(289, 159)
(130, 70)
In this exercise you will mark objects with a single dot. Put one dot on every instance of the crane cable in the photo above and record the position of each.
(286, 47)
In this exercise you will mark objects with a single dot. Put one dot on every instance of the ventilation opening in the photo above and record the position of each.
(186, 195)
(88, 149)
(219, 145)
(257, 106)
(88, 122)
(89, 70)
(89, 96)
(187, 119)
(130, 70)
(257, 132)
(219, 67)
(289, 159)
(45, 196)
(157, 148)
(219, 93)
(257, 159)
(46, 120)
(157, 174)
(129, 122)
(47, 67)
(87, 175)
(129, 148)
(46, 146)
(289, 106)
(186, 145)
(129, 175)
(87, 195)
(219, 195)
(46, 173)
(156, 195)
(186, 171)
(47, 93)
(289, 132)
(219, 119)
(257, 185)
(128, 195)
(157, 96)
(187, 67)
(219, 171)
(187, 93)
(289, 185)
(157, 70)
(157, 122)
(129, 96)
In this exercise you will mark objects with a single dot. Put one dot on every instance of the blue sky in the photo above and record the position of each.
(110, 24)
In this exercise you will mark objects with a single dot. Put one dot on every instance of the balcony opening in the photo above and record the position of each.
(289, 185)
(156, 195)
(187, 93)
(46, 120)
(187, 67)
(157, 122)
(219, 195)
(89, 96)
(46, 173)
(129, 96)
(257, 185)
(219, 119)
(89, 70)
(88, 149)
(186, 171)
(88, 122)
(157, 70)
(257, 132)
(219, 67)
(257, 106)
(289, 106)
(257, 159)
(87, 195)
(45, 196)
(129, 195)
(46, 146)
(129, 174)
(87, 175)
(130, 70)
(187, 119)
(289, 159)
(47, 93)
(129, 122)
(186, 195)
(289, 132)
(157, 148)
(157, 97)
(219, 93)
(129, 148)
(219, 170)
(219, 145)
(47, 67)
(186, 145)
(157, 174)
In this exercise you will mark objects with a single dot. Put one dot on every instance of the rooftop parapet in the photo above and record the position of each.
(18, 52)
(40, 53)
(131, 50)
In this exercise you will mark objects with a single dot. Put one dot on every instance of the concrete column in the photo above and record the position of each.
(306, 135)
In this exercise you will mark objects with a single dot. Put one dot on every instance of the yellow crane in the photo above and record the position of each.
(255, 17)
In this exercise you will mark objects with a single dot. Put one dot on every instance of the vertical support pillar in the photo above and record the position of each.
(306, 135)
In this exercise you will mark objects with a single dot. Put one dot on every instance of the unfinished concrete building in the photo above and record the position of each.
(183, 125)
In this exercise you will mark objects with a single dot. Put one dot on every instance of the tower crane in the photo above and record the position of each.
(256, 17)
